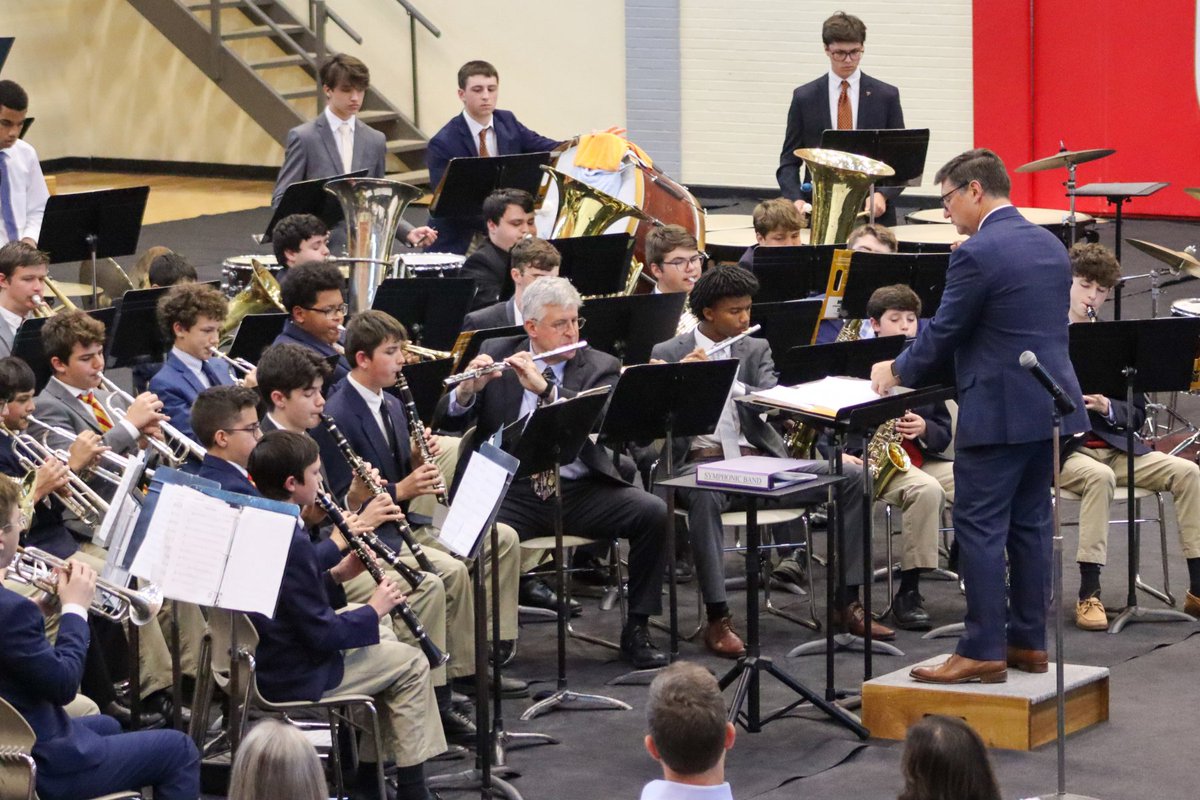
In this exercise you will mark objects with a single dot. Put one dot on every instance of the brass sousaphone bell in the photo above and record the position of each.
(841, 182)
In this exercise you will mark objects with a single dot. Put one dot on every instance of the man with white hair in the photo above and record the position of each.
(597, 501)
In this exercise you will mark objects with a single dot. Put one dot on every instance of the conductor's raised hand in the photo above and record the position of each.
(882, 379)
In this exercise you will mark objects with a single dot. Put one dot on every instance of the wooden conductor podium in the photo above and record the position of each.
(1016, 715)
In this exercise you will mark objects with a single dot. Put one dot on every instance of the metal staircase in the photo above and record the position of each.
(266, 60)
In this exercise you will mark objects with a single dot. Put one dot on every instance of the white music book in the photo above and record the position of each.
(826, 396)
(217, 549)
(477, 500)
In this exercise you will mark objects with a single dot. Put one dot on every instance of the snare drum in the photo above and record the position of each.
(1187, 307)
(237, 271)
(432, 265)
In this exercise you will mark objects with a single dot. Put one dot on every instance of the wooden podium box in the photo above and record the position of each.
(1018, 715)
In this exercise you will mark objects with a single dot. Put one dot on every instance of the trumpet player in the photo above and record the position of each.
(190, 315)
(23, 270)
(85, 756)
(375, 425)
(307, 651)
(312, 297)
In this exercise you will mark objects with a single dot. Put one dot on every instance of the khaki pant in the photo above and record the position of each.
(921, 494)
(1095, 473)
(396, 675)
(82, 706)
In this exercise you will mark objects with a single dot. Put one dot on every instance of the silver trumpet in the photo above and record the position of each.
(117, 603)
(500, 366)
(78, 497)
(117, 462)
(176, 449)
(239, 365)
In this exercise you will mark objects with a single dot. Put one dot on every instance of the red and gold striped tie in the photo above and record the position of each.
(98, 410)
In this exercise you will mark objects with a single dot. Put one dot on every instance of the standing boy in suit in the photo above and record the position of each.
(1007, 290)
(336, 142)
(845, 98)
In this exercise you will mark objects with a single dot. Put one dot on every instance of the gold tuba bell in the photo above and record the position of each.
(840, 183)
(262, 296)
(373, 208)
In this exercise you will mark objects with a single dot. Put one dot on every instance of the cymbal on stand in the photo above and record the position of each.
(1176, 260)
(1064, 158)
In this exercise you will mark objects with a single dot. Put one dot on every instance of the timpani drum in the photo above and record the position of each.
(432, 265)
(237, 271)
(1186, 307)
(1052, 219)
(926, 238)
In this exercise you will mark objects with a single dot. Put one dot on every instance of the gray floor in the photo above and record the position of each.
(1142, 751)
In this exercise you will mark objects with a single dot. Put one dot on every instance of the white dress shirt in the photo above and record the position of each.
(194, 364)
(335, 125)
(835, 91)
(728, 424)
(27, 189)
(670, 790)
(475, 128)
(13, 321)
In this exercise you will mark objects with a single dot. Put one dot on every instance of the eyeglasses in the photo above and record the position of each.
(846, 55)
(564, 324)
(947, 195)
(254, 430)
(329, 311)
(679, 263)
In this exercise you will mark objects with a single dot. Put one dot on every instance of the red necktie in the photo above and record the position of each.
(483, 148)
(102, 419)
(845, 120)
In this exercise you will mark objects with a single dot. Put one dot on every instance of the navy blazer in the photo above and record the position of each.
(178, 387)
(488, 267)
(454, 140)
(294, 334)
(38, 679)
(299, 654)
(1007, 290)
(808, 117)
(358, 425)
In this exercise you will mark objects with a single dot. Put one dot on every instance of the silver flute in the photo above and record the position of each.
(500, 366)
(719, 346)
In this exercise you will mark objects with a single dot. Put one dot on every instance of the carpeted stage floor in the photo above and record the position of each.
(1143, 750)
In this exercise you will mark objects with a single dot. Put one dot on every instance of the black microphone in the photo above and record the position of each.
(1029, 361)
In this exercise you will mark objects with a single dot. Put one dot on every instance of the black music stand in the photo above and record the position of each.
(902, 149)
(432, 309)
(665, 401)
(482, 335)
(788, 324)
(84, 226)
(6, 43)
(596, 265)
(1118, 194)
(924, 273)
(255, 334)
(629, 327)
(552, 436)
(136, 335)
(1124, 358)
(309, 197)
(467, 182)
(425, 382)
(851, 359)
(792, 273)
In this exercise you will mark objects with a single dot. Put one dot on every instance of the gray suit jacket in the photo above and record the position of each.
(57, 406)
(7, 335)
(497, 315)
(313, 153)
(756, 369)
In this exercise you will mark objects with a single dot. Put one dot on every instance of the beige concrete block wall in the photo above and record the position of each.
(741, 61)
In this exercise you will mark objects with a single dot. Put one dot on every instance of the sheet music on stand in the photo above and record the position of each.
(826, 396)
(477, 500)
(214, 548)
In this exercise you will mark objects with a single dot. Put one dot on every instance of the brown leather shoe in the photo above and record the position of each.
(1191, 605)
(960, 669)
(851, 620)
(720, 638)
(1028, 660)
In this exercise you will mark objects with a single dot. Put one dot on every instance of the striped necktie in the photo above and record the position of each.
(6, 209)
(845, 120)
(102, 418)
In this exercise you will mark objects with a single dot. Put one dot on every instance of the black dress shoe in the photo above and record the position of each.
(639, 650)
(510, 688)
(121, 713)
(684, 572)
(589, 570)
(818, 520)
(458, 726)
(909, 612)
(536, 593)
(160, 702)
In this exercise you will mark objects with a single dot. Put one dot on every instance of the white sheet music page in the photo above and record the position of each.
(256, 561)
(826, 396)
(199, 534)
(478, 494)
(150, 563)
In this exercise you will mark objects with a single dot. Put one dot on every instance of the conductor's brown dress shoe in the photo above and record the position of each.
(960, 669)
(852, 619)
(720, 638)
(1191, 605)
(1028, 660)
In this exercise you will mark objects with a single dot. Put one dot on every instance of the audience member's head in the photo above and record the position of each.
(777, 223)
(299, 239)
(673, 257)
(871, 238)
(688, 732)
(945, 760)
(169, 269)
(509, 217)
(276, 762)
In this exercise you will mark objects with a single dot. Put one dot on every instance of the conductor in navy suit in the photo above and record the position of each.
(1008, 289)
(337, 142)
(481, 130)
(844, 98)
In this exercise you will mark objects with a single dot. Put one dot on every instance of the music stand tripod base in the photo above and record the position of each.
(946, 631)
(1139, 614)
(844, 641)
(471, 780)
(586, 702)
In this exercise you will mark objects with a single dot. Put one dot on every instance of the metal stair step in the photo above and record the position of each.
(262, 31)
(415, 177)
(222, 3)
(405, 145)
(374, 117)
(282, 61)
(299, 94)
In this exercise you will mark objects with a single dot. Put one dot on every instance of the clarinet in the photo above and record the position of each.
(436, 657)
(416, 429)
(392, 559)
(364, 474)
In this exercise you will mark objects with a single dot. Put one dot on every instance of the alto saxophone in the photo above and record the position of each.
(886, 455)
(802, 438)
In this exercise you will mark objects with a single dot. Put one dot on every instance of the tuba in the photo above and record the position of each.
(373, 208)
(840, 183)
(262, 296)
(584, 210)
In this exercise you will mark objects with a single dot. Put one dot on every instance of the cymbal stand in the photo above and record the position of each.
(1071, 220)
